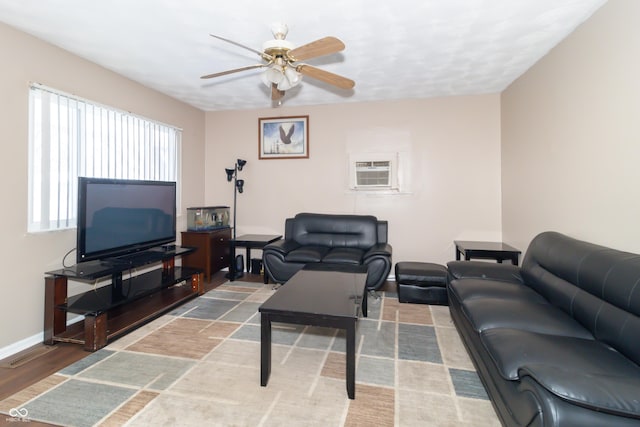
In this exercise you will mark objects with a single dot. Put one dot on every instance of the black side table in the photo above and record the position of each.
(486, 250)
(248, 241)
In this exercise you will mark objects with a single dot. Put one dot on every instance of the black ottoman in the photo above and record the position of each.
(422, 282)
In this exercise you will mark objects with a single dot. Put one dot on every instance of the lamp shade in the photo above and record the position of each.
(290, 79)
(273, 74)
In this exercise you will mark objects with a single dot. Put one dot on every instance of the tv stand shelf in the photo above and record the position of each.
(110, 311)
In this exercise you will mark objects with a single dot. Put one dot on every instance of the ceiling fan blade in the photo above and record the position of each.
(235, 70)
(325, 76)
(276, 94)
(262, 54)
(321, 47)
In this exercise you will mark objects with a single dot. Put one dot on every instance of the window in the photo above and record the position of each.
(71, 137)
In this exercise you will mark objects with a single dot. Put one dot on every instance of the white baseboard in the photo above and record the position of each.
(24, 344)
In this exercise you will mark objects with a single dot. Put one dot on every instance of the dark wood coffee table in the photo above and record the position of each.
(319, 298)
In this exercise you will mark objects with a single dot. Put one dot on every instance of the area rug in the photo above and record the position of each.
(200, 365)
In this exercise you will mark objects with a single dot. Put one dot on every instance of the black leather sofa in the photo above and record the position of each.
(335, 241)
(557, 341)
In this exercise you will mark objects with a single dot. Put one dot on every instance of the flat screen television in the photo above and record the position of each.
(119, 217)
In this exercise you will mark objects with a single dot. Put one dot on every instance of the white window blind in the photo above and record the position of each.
(71, 137)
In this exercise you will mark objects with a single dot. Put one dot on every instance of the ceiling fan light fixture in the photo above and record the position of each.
(281, 62)
(291, 78)
(284, 84)
(271, 75)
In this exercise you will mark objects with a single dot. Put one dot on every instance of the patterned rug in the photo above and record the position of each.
(200, 365)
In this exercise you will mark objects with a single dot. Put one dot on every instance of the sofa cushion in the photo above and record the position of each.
(306, 254)
(356, 231)
(490, 313)
(511, 349)
(467, 289)
(584, 371)
(344, 256)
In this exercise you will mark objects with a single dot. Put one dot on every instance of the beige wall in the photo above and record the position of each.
(571, 139)
(27, 256)
(453, 147)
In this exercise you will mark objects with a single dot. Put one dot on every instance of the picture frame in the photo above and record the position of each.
(283, 137)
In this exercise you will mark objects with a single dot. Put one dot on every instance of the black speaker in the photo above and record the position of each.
(239, 264)
(238, 268)
(256, 266)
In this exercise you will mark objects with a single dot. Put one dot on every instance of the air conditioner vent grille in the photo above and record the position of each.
(373, 174)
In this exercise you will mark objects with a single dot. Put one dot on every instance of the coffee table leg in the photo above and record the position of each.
(265, 349)
(351, 360)
(365, 299)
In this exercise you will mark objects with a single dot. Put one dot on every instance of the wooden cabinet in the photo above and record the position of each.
(212, 252)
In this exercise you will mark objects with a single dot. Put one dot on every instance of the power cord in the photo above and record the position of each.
(64, 258)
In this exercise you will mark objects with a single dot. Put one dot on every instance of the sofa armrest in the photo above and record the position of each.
(484, 270)
(380, 249)
(281, 246)
(378, 261)
(611, 393)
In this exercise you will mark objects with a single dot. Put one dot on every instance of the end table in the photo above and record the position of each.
(486, 250)
(248, 241)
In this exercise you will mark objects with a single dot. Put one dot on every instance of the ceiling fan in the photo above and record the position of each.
(282, 62)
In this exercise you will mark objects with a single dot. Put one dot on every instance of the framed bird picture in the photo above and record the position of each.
(283, 137)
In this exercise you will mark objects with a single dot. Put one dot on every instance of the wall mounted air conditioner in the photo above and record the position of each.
(373, 171)
(373, 174)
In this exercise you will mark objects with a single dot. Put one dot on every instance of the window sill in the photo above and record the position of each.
(385, 192)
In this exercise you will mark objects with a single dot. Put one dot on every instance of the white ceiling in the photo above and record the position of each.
(395, 49)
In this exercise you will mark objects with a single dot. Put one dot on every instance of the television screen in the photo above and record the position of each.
(118, 217)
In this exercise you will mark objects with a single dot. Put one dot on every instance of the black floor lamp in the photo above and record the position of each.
(238, 187)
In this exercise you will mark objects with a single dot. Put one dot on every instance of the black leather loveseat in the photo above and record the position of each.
(556, 342)
(333, 241)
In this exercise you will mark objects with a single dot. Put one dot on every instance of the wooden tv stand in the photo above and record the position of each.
(111, 311)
